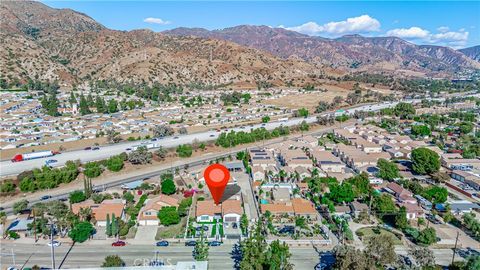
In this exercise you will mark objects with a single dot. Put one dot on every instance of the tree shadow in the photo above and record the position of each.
(236, 256)
(66, 255)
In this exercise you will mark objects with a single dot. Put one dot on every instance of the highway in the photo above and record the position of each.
(8, 168)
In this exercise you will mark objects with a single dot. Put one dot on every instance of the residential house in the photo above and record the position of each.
(102, 210)
(149, 213)
(402, 195)
(207, 211)
(357, 208)
(472, 178)
(232, 211)
(304, 208)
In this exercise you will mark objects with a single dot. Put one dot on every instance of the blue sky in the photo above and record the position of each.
(455, 23)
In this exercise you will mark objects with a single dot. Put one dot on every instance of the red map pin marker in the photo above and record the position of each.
(216, 176)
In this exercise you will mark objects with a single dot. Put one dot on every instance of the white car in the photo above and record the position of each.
(54, 243)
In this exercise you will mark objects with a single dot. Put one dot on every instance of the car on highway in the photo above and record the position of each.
(162, 243)
(212, 135)
(214, 243)
(48, 161)
(96, 148)
(176, 137)
(46, 197)
(128, 149)
(191, 243)
(118, 244)
(87, 148)
(54, 243)
(63, 199)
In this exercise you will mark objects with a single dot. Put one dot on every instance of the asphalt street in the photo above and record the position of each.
(88, 255)
(92, 255)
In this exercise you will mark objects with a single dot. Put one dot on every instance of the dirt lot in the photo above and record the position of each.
(310, 100)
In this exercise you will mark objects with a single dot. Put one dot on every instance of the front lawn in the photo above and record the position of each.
(365, 233)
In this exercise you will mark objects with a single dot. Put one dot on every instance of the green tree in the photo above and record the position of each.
(77, 196)
(387, 170)
(303, 112)
(81, 231)
(381, 248)
(184, 150)
(168, 215)
(100, 105)
(436, 194)
(19, 206)
(200, 251)
(115, 163)
(113, 261)
(128, 196)
(278, 255)
(473, 263)
(304, 126)
(404, 110)
(401, 221)
(266, 119)
(140, 156)
(83, 107)
(425, 161)
(465, 127)
(108, 228)
(168, 187)
(72, 99)
(112, 106)
(427, 236)
(421, 130)
(244, 224)
(384, 205)
(92, 169)
(183, 206)
(341, 193)
(7, 186)
(115, 226)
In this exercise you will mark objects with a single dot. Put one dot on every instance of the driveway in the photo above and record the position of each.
(145, 234)
(249, 206)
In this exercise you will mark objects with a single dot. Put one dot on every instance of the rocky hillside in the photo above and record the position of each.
(352, 52)
(472, 52)
(51, 44)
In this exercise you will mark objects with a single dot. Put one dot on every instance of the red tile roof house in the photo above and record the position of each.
(148, 213)
(401, 194)
(100, 211)
(229, 211)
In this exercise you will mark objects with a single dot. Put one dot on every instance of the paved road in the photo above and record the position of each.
(10, 168)
(92, 255)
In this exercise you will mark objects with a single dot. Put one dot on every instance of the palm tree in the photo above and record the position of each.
(85, 213)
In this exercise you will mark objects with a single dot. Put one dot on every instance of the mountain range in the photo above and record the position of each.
(44, 43)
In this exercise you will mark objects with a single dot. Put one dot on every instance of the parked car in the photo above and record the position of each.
(214, 243)
(118, 244)
(54, 243)
(88, 148)
(204, 227)
(46, 197)
(162, 243)
(191, 243)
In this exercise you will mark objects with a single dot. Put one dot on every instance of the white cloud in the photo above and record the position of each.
(156, 21)
(360, 24)
(444, 37)
(443, 29)
(409, 33)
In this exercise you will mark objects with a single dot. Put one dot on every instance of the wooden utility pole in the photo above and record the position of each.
(455, 248)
